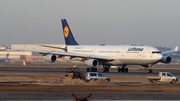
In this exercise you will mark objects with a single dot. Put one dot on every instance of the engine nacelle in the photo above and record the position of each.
(91, 62)
(50, 58)
(166, 59)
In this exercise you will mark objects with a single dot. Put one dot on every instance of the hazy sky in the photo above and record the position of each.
(144, 22)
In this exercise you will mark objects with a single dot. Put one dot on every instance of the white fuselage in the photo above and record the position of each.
(3, 59)
(120, 54)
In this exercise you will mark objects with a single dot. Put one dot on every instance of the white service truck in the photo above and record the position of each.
(163, 77)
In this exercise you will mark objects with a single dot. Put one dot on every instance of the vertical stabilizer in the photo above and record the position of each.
(7, 55)
(68, 36)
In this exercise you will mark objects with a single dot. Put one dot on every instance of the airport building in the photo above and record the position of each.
(28, 55)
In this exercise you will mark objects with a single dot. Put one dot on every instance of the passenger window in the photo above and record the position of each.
(93, 74)
(163, 74)
(100, 75)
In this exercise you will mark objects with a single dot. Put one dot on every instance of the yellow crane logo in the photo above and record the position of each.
(66, 31)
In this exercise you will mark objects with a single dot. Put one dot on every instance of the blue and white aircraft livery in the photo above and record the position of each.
(107, 55)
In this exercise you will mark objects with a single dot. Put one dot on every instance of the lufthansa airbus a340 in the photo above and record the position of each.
(107, 55)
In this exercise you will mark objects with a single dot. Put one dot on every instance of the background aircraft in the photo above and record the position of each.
(4, 59)
(108, 55)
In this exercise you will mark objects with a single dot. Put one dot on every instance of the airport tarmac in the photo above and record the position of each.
(45, 83)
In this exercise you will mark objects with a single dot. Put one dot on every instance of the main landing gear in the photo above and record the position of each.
(93, 69)
(106, 68)
(123, 69)
(150, 68)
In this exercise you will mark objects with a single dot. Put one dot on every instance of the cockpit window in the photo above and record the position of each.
(156, 52)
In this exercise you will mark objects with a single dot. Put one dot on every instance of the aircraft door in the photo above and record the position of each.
(144, 55)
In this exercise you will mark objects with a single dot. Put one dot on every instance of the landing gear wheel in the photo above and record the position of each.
(88, 69)
(106, 69)
(95, 69)
(119, 69)
(122, 69)
(92, 69)
(150, 70)
(126, 70)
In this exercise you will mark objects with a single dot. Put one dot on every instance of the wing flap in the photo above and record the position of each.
(81, 55)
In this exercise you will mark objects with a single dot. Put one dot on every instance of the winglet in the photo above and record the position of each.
(176, 48)
(6, 46)
(68, 36)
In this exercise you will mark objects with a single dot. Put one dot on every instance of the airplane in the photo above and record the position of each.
(4, 48)
(108, 55)
(5, 58)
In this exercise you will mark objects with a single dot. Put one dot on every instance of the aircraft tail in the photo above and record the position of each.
(7, 55)
(68, 36)
(6, 46)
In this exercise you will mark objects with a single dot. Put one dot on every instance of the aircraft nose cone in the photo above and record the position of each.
(160, 56)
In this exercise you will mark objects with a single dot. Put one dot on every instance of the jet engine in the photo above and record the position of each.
(91, 62)
(50, 58)
(166, 59)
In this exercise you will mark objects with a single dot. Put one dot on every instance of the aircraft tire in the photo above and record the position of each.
(92, 69)
(106, 69)
(126, 70)
(150, 70)
(119, 69)
(88, 69)
(122, 69)
(95, 69)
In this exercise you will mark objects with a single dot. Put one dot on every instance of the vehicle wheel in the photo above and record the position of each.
(107, 79)
(154, 81)
(173, 81)
(88, 69)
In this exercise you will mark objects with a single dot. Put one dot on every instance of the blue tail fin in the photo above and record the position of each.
(68, 36)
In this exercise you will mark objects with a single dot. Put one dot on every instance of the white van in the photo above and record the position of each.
(94, 76)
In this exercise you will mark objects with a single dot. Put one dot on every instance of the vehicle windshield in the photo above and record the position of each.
(169, 75)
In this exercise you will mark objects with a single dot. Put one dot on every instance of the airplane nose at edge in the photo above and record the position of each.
(160, 56)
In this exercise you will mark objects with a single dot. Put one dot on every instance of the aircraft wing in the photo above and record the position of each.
(65, 48)
(171, 51)
(80, 55)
